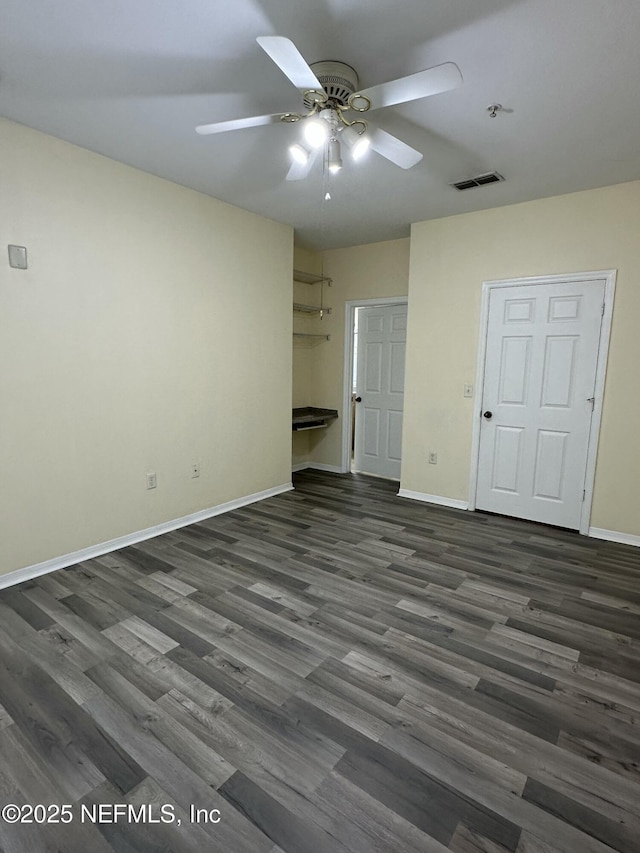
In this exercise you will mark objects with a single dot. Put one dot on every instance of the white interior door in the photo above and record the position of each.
(382, 336)
(538, 394)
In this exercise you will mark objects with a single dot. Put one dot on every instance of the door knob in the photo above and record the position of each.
(358, 399)
(488, 415)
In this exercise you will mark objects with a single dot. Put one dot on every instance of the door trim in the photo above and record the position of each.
(347, 380)
(609, 277)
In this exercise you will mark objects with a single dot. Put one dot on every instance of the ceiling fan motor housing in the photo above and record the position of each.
(338, 79)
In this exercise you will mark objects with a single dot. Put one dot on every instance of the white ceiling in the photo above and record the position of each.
(132, 78)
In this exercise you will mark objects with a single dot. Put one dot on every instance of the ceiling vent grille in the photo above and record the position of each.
(478, 181)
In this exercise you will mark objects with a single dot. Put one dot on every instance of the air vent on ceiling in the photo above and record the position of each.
(478, 181)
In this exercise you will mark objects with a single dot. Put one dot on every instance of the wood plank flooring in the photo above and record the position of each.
(333, 669)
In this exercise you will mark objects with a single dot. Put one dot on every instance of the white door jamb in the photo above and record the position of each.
(349, 320)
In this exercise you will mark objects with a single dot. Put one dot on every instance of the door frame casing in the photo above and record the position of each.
(349, 320)
(609, 278)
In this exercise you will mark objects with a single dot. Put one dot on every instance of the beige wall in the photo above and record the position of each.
(362, 272)
(450, 258)
(143, 337)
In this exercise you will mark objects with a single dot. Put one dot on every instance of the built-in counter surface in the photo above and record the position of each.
(311, 417)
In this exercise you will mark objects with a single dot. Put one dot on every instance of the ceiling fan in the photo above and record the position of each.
(336, 106)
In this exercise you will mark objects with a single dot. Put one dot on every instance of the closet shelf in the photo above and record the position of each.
(317, 311)
(309, 339)
(311, 278)
(310, 309)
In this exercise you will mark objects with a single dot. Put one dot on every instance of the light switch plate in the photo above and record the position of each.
(468, 390)
(18, 257)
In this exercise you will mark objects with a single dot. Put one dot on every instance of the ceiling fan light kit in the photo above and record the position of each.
(299, 153)
(334, 156)
(356, 140)
(316, 130)
(331, 94)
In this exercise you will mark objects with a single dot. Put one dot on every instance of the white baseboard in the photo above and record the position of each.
(614, 536)
(433, 499)
(318, 466)
(321, 466)
(20, 575)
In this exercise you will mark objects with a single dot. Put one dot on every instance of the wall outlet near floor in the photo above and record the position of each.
(433, 458)
(151, 480)
(195, 469)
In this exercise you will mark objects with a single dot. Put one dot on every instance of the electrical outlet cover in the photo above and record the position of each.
(18, 257)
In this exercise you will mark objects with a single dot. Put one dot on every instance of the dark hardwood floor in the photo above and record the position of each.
(333, 669)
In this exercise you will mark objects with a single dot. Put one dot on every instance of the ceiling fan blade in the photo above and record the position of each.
(299, 171)
(237, 124)
(290, 61)
(440, 78)
(394, 149)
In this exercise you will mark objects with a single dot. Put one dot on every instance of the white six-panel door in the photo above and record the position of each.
(539, 378)
(382, 335)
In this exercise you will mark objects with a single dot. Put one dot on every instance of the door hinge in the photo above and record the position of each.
(584, 494)
(603, 307)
